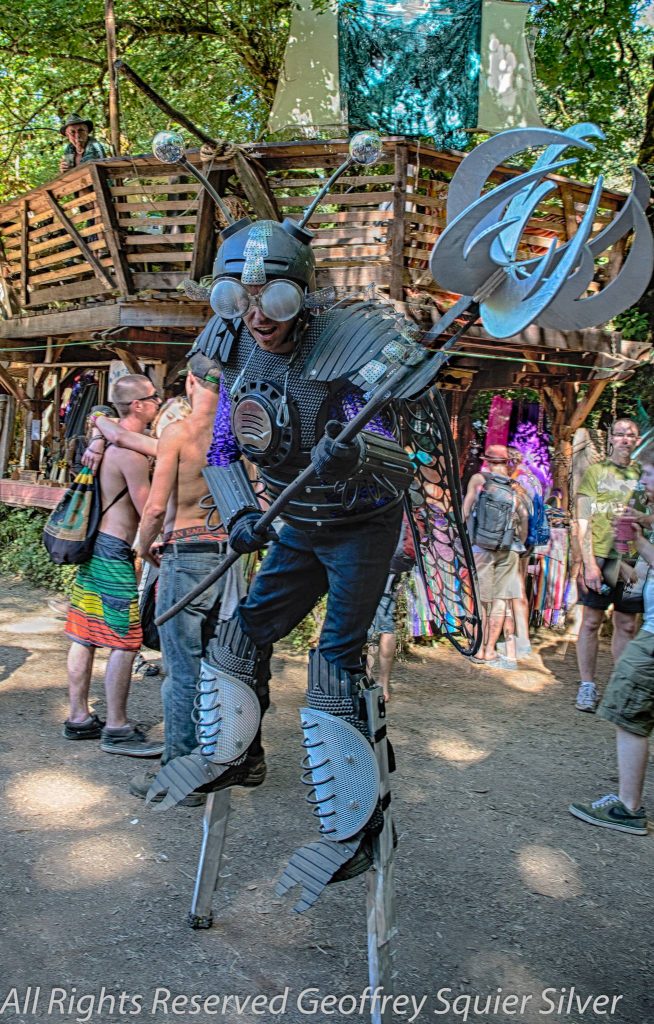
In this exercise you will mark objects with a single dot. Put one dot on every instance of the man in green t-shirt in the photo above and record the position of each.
(605, 491)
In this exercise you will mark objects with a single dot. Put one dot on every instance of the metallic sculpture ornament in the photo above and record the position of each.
(479, 247)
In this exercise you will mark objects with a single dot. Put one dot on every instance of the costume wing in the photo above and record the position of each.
(443, 549)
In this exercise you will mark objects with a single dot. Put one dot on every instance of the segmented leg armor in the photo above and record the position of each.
(341, 770)
(231, 700)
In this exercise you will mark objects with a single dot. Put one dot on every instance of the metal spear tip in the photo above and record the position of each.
(168, 147)
(366, 147)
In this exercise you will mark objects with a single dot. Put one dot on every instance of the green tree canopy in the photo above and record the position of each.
(594, 63)
(218, 61)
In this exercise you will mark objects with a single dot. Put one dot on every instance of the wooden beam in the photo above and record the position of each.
(205, 230)
(111, 230)
(174, 372)
(127, 357)
(159, 101)
(397, 228)
(14, 387)
(24, 257)
(255, 185)
(159, 337)
(587, 404)
(96, 267)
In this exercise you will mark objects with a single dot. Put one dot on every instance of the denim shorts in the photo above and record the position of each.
(384, 620)
(629, 698)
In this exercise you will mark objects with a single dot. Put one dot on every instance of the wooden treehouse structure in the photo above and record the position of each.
(93, 264)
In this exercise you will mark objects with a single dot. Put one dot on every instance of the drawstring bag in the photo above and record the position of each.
(72, 527)
(147, 607)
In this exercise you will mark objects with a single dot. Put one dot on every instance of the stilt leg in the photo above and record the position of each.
(381, 893)
(214, 828)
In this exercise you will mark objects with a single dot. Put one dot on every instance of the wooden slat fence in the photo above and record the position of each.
(129, 226)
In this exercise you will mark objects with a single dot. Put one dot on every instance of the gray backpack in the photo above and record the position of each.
(491, 523)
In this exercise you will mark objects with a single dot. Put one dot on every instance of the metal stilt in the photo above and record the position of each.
(214, 828)
(381, 892)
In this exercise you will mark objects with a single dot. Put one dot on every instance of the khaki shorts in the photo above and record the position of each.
(629, 698)
(498, 573)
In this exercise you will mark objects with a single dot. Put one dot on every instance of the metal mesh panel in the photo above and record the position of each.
(343, 772)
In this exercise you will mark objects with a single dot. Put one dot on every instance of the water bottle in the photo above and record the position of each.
(624, 529)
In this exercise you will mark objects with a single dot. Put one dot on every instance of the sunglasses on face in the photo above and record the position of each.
(154, 397)
(278, 300)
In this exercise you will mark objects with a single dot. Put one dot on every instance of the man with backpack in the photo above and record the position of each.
(497, 523)
(104, 605)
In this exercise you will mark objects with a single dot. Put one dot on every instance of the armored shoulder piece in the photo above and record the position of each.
(217, 338)
(362, 342)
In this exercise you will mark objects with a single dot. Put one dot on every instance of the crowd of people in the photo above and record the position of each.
(152, 494)
(614, 506)
(155, 504)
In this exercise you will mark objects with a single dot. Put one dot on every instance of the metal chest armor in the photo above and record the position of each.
(280, 403)
(275, 411)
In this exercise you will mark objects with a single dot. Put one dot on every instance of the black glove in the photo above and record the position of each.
(242, 536)
(401, 562)
(333, 461)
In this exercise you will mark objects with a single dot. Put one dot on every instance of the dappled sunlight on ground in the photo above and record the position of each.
(58, 799)
(549, 871)
(453, 747)
(31, 624)
(500, 974)
(532, 680)
(85, 863)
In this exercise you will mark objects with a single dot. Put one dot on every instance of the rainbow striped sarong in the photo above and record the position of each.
(104, 605)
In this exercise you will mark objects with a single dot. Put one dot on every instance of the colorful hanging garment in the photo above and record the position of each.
(549, 596)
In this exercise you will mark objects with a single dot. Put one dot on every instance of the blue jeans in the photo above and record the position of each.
(184, 637)
(349, 563)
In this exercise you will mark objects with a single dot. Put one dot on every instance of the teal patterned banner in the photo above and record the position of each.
(411, 68)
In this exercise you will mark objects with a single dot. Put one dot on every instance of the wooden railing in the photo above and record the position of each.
(127, 227)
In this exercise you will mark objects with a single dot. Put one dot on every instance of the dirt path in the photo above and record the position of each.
(498, 887)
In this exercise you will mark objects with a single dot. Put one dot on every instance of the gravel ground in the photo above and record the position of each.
(500, 892)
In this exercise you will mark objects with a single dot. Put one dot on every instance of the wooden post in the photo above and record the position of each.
(24, 254)
(157, 374)
(566, 413)
(569, 215)
(27, 439)
(6, 437)
(205, 233)
(114, 106)
(109, 216)
(397, 230)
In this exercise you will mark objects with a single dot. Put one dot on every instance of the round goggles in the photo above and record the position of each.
(278, 300)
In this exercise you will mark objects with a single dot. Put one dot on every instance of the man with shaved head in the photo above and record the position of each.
(104, 605)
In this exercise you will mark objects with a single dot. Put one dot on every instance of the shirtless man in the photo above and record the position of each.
(104, 606)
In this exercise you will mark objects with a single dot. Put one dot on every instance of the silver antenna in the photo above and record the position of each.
(365, 148)
(169, 148)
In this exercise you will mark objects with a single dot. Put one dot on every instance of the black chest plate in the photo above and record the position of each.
(265, 423)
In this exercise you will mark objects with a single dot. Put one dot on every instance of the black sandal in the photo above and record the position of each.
(91, 729)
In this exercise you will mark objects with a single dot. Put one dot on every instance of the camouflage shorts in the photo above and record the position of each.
(629, 698)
